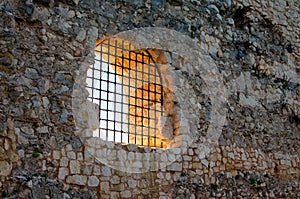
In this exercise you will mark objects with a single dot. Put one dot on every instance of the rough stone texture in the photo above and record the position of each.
(93, 181)
(62, 173)
(74, 166)
(5, 168)
(76, 179)
(46, 48)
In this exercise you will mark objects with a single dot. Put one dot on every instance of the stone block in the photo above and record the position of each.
(88, 169)
(104, 186)
(97, 170)
(74, 167)
(71, 155)
(64, 162)
(115, 180)
(114, 195)
(106, 171)
(176, 166)
(125, 194)
(56, 155)
(62, 173)
(77, 180)
(93, 181)
(204, 162)
(5, 168)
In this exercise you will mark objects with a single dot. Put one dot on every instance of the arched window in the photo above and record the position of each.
(126, 85)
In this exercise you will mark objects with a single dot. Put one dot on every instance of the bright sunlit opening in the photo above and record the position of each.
(105, 89)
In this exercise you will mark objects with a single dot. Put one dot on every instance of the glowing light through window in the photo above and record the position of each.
(105, 89)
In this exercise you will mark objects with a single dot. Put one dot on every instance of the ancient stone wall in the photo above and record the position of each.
(233, 67)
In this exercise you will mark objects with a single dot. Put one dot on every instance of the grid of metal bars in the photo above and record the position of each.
(127, 87)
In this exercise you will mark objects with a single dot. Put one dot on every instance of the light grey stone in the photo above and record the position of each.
(175, 150)
(204, 162)
(97, 170)
(115, 179)
(106, 171)
(71, 155)
(74, 167)
(201, 155)
(81, 35)
(213, 50)
(244, 158)
(71, 14)
(42, 129)
(230, 21)
(219, 17)
(30, 184)
(137, 164)
(92, 37)
(69, 56)
(231, 155)
(21, 153)
(93, 181)
(27, 130)
(31, 73)
(132, 147)
(132, 183)
(104, 185)
(88, 169)
(249, 101)
(56, 155)
(44, 85)
(62, 173)
(171, 157)
(46, 102)
(125, 194)
(69, 147)
(79, 156)
(213, 8)
(176, 166)
(66, 196)
(228, 3)
(114, 195)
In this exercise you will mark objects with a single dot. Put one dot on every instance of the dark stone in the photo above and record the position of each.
(29, 9)
(102, 20)
(42, 2)
(2, 124)
(59, 78)
(5, 61)
(175, 2)
(91, 4)
(75, 142)
(14, 94)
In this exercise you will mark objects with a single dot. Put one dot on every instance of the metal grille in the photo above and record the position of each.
(126, 85)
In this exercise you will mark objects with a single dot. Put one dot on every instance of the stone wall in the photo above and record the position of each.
(236, 96)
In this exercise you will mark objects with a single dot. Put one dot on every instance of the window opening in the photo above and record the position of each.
(126, 86)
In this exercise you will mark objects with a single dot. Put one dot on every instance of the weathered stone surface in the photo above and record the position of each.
(76, 179)
(46, 46)
(106, 171)
(81, 35)
(126, 194)
(62, 173)
(5, 168)
(204, 162)
(74, 167)
(93, 181)
(176, 166)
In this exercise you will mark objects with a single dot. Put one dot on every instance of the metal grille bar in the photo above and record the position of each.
(126, 84)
